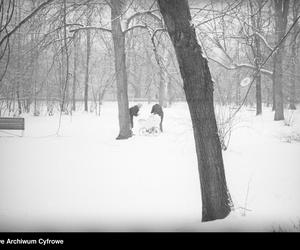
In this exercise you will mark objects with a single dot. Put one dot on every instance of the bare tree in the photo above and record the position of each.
(18, 84)
(198, 89)
(281, 8)
(294, 57)
(120, 67)
(256, 21)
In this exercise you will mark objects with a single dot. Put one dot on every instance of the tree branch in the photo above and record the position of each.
(236, 66)
(148, 12)
(158, 30)
(135, 26)
(25, 20)
(90, 28)
(264, 40)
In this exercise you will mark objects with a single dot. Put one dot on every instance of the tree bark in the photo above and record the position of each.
(281, 12)
(258, 95)
(120, 69)
(198, 89)
(278, 87)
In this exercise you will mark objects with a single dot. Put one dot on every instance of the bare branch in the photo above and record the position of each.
(236, 66)
(264, 40)
(138, 14)
(25, 20)
(134, 27)
(90, 28)
(158, 30)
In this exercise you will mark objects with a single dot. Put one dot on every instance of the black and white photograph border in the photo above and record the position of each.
(149, 116)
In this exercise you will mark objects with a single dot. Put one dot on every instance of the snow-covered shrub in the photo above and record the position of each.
(225, 121)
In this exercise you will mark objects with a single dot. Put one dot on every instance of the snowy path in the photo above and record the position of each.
(85, 180)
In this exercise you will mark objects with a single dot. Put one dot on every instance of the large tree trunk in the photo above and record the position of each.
(120, 69)
(278, 87)
(198, 89)
(258, 95)
(281, 12)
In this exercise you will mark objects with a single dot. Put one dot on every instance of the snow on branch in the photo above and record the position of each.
(158, 30)
(90, 28)
(264, 40)
(27, 18)
(134, 27)
(138, 14)
(235, 66)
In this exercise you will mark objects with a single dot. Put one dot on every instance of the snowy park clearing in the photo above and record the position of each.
(85, 180)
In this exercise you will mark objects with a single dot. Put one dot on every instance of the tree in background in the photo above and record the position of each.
(294, 44)
(88, 53)
(281, 8)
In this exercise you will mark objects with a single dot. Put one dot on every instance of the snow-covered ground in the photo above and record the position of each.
(85, 180)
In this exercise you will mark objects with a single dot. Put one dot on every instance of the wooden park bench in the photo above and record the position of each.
(10, 123)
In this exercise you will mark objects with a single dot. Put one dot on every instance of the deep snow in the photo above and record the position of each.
(85, 180)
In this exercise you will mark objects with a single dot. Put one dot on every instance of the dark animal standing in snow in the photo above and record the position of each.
(134, 111)
(157, 110)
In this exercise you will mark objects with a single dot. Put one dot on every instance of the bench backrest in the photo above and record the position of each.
(10, 123)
